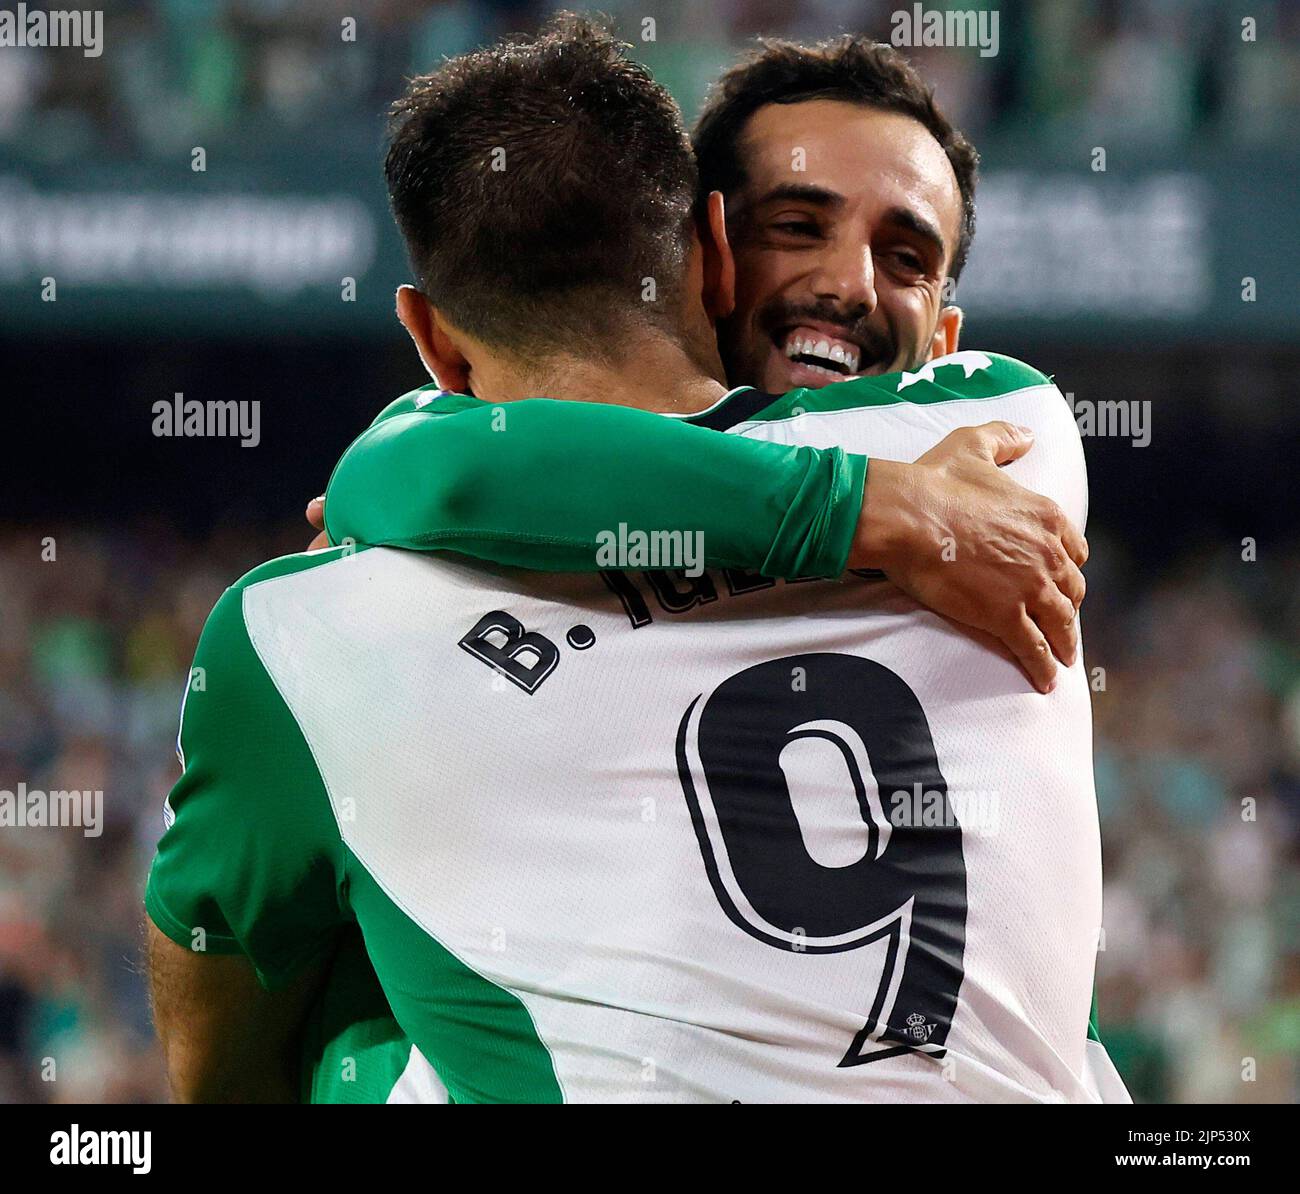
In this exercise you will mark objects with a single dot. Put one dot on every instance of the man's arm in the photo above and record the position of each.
(245, 891)
(535, 483)
(225, 1038)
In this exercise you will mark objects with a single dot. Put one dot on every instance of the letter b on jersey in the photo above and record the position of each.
(523, 657)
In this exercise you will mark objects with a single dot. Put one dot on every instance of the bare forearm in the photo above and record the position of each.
(224, 1038)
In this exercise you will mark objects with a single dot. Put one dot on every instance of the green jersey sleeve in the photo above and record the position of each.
(534, 483)
(251, 862)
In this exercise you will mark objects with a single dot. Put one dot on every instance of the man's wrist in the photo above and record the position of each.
(883, 522)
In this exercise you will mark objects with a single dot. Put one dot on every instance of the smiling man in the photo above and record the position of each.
(851, 212)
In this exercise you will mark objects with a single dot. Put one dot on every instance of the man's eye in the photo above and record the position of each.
(910, 262)
(796, 227)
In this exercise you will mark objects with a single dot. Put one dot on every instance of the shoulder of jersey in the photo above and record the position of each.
(431, 398)
(281, 566)
(968, 375)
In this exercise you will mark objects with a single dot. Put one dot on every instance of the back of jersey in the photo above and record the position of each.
(652, 837)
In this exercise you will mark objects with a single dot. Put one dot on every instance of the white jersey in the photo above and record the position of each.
(641, 837)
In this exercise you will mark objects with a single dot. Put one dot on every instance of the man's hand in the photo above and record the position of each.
(316, 516)
(957, 534)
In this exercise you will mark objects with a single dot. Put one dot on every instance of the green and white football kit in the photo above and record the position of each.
(650, 837)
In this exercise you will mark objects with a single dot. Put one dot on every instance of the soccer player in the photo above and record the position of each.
(806, 846)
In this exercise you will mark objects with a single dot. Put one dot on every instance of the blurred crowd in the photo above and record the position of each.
(177, 73)
(1197, 750)
(96, 637)
(1198, 774)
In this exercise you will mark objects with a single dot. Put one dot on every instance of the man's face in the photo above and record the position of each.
(839, 264)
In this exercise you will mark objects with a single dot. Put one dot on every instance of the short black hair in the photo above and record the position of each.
(850, 68)
(538, 183)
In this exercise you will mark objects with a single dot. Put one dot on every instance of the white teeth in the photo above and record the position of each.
(847, 357)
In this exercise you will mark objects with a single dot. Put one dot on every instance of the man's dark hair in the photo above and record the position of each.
(849, 68)
(538, 183)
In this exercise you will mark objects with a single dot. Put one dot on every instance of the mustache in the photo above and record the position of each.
(875, 344)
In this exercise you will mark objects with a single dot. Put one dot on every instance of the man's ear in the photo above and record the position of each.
(444, 361)
(719, 264)
(946, 332)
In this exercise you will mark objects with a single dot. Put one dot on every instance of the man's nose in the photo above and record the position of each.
(845, 275)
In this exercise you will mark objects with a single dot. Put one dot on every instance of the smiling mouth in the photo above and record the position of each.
(839, 359)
